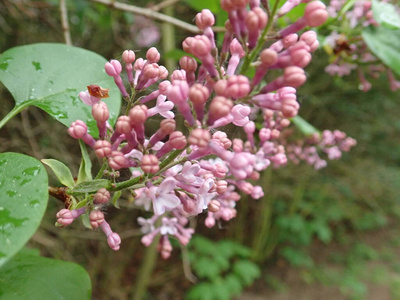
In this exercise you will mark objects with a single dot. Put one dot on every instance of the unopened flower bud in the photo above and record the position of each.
(152, 55)
(150, 164)
(102, 148)
(102, 196)
(205, 19)
(199, 137)
(96, 217)
(113, 68)
(214, 206)
(128, 56)
(100, 112)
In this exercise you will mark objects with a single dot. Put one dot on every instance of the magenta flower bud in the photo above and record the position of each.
(237, 53)
(256, 20)
(257, 192)
(64, 217)
(123, 125)
(139, 64)
(102, 148)
(150, 164)
(152, 55)
(219, 107)
(201, 46)
(188, 64)
(222, 186)
(128, 56)
(315, 14)
(222, 139)
(118, 161)
(199, 137)
(178, 75)
(205, 19)
(113, 68)
(102, 196)
(221, 88)
(310, 38)
(114, 241)
(167, 126)
(100, 112)
(238, 86)
(199, 95)
(214, 206)
(96, 217)
(162, 73)
(294, 76)
(178, 93)
(78, 129)
(137, 116)
(177, 140)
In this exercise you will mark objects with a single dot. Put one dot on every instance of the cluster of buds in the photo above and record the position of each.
(347, 48)
(179, 173)
(328, 142)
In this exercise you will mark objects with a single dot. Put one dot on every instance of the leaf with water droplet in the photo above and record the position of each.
(23, 200)
(29, 276)
(56, 75)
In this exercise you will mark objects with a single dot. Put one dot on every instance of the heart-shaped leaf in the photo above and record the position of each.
(33, 277)
(23, 200)
(50, 76)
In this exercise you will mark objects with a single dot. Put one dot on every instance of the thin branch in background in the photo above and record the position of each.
(64, 23)
(186, 265)
(149, 13)
(164, 4)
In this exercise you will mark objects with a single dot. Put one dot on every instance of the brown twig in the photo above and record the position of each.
(64, 22)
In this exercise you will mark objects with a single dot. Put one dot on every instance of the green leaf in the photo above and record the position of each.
(233, 283)
(61, 171)
(201, 291)
(33, 277)
(305, 127)
(115, 198)
(386, 14)
(50, 76)
(206, 268)
(23, 200)
(199, 5)
(385, 44)
(91, 186)
(85, 169)
(247, 271)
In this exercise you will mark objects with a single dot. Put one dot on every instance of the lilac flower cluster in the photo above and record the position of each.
(347, 47)
(183, 170)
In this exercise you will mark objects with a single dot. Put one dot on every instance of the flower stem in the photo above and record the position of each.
(146, 270)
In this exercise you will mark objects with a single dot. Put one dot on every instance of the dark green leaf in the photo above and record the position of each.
(61, 171)
(85, 169)
(33, 277)
(201, 291)
(50, 76)
(385, 44)
(386, 14)
(23, 200)
(233, 283)
(91, 186)
(205, 267)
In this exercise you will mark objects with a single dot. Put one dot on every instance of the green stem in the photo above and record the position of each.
(103, 167)
(170, 158)
(146, 270)
(250, 57)
(126, 184)
(11, 114)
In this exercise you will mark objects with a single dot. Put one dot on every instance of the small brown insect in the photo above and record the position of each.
(341, 45)
(97, 91)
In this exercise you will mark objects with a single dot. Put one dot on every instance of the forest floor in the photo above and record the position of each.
(366, 266)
